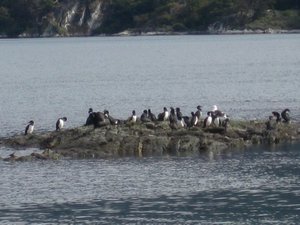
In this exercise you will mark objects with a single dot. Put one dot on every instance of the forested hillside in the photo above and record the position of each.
(93, 17)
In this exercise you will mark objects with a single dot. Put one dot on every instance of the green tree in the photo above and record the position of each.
(5, 19)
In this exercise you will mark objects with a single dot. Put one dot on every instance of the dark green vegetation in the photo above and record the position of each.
(198, 15)
(18, 16)
(34, 16)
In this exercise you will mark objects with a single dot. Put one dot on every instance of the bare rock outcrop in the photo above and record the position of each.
(151, 139)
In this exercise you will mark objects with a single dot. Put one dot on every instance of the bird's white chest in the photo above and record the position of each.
(134, 117)
(30, 129)
(180, 123)
(196, 121)
(166, 115)
(217, 121)
(208, 121)
(60, 124)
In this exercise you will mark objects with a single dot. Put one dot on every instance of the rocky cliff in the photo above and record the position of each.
(67, 18)
(43, 18)
(74, 18)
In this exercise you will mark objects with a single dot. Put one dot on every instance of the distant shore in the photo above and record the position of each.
(212, 32)
(127, 33)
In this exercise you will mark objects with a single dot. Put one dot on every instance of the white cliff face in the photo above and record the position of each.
(82, 18)
(96, 18)
(79, 17)
(70, 16)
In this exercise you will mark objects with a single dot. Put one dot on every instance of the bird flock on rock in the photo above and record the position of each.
(174, 117)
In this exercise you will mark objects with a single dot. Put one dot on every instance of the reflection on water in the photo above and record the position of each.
(255, 186)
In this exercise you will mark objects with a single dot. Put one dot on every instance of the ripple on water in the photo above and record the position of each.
(249, 187)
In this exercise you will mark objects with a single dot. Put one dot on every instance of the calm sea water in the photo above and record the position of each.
(246, 76)
(255, 186)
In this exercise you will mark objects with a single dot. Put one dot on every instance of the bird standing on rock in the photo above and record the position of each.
(178, 113)
(208, 120)
(216, 115)
(91, 117)
(144, 116)
(180, 122)
(172, 117)
(60, 123)
(151, 116)
(164, 115)
(286, 116)
(112, 120)
(133, 117)
(277, 115)
(194, 120)
(198, 113)
(30, 127)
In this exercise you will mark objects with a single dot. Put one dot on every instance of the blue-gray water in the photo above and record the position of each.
(246, 76)
(255, 186)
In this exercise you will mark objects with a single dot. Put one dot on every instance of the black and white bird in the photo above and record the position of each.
(194, 120)
(111, 119)
(91, 117)
(164, 115)
(133, 117)
(30, 127)
(277, 115)
(60, 123)
(144, 116)
(207, 120)
(286, 116)
(106, 113)
(217, 115)
(180, 122)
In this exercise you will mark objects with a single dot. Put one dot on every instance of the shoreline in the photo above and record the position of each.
(127, 33)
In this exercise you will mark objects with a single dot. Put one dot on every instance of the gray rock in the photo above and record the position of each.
(150, 139)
